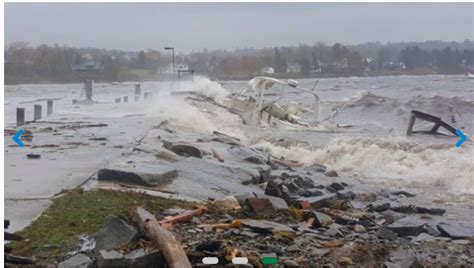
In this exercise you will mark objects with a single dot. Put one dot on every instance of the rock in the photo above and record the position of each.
(378, 206)
(278, 190)
(321, 219)
(183, 149)
(209, 246)
(406, 194)
(331, 173)
(242, 197)
(115, 232)
(404, 258)
(111, 258)
(198, 176)
(317, 168)
(77, 261)
(290, 263)
(334, 230)
(388, 264)
(303, 182)
(320, 201)
(417, 209)
(310, 192)
(347, 195)
(157, 174)
(165, 154)
(276, 202)
(359, 228)
(33, 156)
(343, 260)
(423, 237)
(250, 155)
(336, 186)
(141, 259)
(408, 226)
(455, 231)
(264, 226)
(366, 197)
(387, 234)
(226, 204)
(391, 216)
(462, 242)
(259, 204)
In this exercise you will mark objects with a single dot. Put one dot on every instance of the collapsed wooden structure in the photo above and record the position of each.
(430, 118)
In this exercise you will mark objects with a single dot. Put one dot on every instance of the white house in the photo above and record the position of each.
(293, 68)
(267, 70)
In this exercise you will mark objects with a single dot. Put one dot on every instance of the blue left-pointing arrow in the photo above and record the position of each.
(462, 139)
(17, 136)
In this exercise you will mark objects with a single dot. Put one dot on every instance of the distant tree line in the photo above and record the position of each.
(52, 63)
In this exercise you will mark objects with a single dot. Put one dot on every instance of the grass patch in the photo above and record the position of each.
(81, 212)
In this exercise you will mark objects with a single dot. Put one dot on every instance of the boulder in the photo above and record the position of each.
(226, 204)
(386, 234)
(316, 168)
(158, 173)
(111, 258)
(140, 258)
(320, 201)
(331, 173)
(264, 226)
(278, 189)
(114, 233)
(242, 197)
(365, 197)
(409, 226)
(77, 261)
(250, 155)
(275, 202)
(183, 149)
(455, 231)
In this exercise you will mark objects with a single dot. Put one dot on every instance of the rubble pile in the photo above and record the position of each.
(296, 219)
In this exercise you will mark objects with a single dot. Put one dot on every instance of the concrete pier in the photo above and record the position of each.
(20, 116)
(37, 112)
(49, 107)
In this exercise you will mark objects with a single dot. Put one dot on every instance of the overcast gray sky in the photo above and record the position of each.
(194, 26)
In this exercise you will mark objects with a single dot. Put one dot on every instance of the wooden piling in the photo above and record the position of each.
(138, 90)
(20, 116)
(37, 112)
(49, 107)
(89, 86)
(118, 100)
(125, 99)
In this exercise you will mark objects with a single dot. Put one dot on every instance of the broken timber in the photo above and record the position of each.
(430, 118)
(166, 242)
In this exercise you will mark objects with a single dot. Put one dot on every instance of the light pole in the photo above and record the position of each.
(172, 49)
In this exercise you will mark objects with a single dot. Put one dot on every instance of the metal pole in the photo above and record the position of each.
(37, 112)
(49, 107)
(20, 116)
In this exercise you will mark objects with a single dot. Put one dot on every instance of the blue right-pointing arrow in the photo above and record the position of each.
(17, 136)
(462, 139)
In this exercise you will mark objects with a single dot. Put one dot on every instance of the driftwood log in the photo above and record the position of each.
(163, 239)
